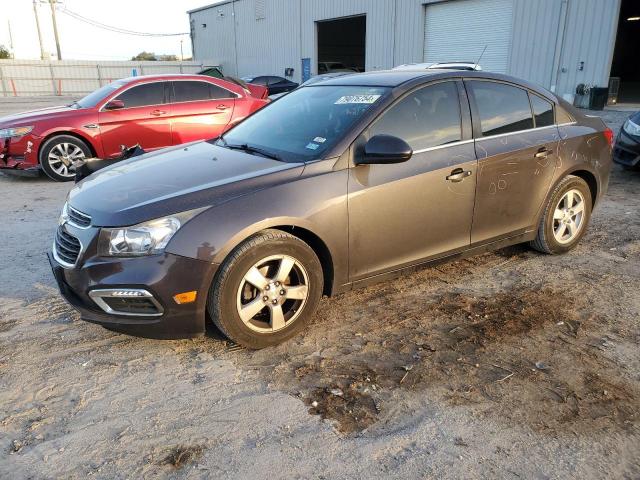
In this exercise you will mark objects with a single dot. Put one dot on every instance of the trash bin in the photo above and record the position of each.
(599, 97)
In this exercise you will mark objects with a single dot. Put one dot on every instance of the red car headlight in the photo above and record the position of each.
(15, 132)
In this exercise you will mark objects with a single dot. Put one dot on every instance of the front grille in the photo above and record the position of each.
(77, 218)
(67, 246)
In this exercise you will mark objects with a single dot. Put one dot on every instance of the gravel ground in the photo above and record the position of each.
(507, 365)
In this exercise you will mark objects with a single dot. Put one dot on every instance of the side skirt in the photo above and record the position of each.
(470, 252)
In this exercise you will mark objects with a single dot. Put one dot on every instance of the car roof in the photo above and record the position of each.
(165, 76)
(409, 78)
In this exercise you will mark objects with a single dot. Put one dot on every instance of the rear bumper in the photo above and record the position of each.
(163, 276)
(626, 150)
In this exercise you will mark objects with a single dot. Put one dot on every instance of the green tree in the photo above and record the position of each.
(167, 58)
(4, 52)
(145, 56)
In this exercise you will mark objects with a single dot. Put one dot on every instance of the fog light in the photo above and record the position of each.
(185, 297)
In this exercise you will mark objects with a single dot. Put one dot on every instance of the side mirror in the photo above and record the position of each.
(385, 149)
(114, 105)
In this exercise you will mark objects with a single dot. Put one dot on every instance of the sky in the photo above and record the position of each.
(81, 41)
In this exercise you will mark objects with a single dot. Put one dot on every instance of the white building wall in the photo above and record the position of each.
(549, 37)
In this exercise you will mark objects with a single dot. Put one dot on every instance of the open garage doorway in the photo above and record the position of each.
(626, 65)
(341, 44)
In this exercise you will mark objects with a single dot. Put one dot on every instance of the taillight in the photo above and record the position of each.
(608, 133)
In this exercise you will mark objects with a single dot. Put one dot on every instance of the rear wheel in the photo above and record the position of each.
(267, 290)
(566, 216)
(58, 154)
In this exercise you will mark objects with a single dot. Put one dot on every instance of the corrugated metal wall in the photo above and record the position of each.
(213, 37)
(75, 77)
(549, 37)
(272, 39)
(590, 34)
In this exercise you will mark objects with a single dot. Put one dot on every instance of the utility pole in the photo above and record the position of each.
(35, 12)
(13, 55)
(55, 27)
(181, 54)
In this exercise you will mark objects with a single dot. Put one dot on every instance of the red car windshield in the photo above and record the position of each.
(98, 95)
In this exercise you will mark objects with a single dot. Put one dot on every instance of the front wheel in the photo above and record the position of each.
(267, 290)
(58, 154)
(565, 218)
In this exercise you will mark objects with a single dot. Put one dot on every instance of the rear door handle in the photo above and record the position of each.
(157, 113)
(458, 175)
(543, 153)
(222, 107)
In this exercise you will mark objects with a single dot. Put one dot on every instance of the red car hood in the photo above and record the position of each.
(28, 118)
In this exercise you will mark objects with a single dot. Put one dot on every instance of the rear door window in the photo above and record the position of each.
(502, 108)
(190, 91)
(542, 111)
(427, 118)
(143, 95)
(217, 92)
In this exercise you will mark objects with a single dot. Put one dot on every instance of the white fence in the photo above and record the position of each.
(76, 77)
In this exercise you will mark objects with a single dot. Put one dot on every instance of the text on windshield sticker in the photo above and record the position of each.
(357, 99)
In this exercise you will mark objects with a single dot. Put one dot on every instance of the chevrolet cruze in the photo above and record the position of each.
(348, 181)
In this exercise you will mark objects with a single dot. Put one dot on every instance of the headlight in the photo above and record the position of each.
(631, 128)
(14, 132)
(146, 238)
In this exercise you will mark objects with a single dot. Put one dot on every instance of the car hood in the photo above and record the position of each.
(174, 180)
(24, 118)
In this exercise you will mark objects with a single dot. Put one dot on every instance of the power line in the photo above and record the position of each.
(111, 28)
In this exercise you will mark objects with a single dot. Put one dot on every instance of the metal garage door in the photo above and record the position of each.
(458, 30)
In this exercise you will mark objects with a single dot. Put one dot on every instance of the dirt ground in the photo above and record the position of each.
(511, 364)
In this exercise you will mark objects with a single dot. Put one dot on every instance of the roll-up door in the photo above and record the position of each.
(458, 30)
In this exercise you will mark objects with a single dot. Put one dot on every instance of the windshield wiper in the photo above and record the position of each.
(250, 149)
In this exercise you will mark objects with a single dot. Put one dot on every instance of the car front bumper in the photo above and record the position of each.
(19, 155)
(162, 275)
(626, 150)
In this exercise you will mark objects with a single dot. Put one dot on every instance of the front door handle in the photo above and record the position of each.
(543, 153)
(458, 175)
(222, 107)
(157, 113)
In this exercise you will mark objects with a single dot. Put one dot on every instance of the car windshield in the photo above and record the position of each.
(98, 95)
(304, 124)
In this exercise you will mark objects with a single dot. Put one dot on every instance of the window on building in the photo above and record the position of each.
(502, 108)
(143, 95)
(427, 118)
(542, 111)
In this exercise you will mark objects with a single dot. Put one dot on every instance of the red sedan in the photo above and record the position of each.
(155, 111)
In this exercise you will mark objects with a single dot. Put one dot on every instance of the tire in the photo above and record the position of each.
(548, 239)
(266, 253)
(57, 151)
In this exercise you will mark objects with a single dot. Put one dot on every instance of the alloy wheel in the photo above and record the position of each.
(62, 156)
(273, 293)
(568, 216)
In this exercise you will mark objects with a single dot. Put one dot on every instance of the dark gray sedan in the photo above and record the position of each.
(339, 184)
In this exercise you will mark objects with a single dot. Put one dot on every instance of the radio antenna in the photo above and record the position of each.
(478, 61)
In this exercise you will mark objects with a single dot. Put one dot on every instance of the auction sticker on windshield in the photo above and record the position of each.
(356, 99)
